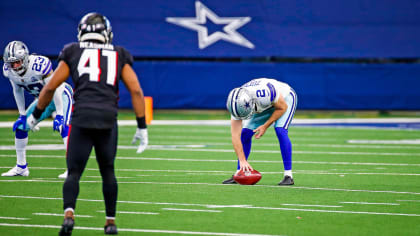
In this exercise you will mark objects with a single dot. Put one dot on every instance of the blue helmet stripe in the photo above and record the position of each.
(12, 49)
(233, 103)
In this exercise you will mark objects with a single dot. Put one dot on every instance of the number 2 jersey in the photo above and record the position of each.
(95, 70)
(266, 92)
(32, 81)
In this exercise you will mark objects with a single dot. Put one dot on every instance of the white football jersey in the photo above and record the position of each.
(266, 92)
(32, 81)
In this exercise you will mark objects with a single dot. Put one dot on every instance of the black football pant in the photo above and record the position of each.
(80, 143)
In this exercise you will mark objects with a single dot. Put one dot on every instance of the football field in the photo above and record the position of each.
(348, 181)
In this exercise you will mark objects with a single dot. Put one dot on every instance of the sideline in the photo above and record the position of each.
(399, 123)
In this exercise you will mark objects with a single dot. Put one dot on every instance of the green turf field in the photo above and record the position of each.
(175, 188)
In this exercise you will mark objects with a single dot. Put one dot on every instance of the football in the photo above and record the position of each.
(247, 177)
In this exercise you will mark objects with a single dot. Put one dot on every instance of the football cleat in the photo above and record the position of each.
(67, 227)
(63, 175)
(229, 181)
(17, 171)
(110, 229)
(288, 180)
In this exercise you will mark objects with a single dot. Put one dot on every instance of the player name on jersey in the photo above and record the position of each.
(96, 45)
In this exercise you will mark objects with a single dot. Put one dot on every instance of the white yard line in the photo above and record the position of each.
(215, 160)
(408, 200)
(193, 210)
(134, 230)
(61, 215)
(344, 212)
(367, 146)
(59, 146)
(306, 205)
(404, 141)
(294, 152)
(372, 203)
(201, 148)
(175, 148)
(13, 218)
(243, 207)
(134, 212)
(307, 172)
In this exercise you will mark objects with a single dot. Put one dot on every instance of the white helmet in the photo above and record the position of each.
(16, 51)
(240, 103)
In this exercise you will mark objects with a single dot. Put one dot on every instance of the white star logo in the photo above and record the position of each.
(229, 33)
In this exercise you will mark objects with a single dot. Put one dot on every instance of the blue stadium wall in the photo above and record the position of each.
(179, 74)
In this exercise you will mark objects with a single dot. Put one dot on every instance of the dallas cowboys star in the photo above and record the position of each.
(229, 33)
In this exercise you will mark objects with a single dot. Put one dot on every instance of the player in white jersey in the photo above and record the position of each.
(254, 107)
(30, 73)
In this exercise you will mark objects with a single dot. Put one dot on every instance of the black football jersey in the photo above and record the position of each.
(95, 70)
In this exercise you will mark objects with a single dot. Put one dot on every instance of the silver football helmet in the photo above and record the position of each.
(16, 51)
(240, 103)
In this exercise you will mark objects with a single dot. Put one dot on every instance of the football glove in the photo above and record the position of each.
(58, 123)
(31, 122)
(141, 134)
(20, 121)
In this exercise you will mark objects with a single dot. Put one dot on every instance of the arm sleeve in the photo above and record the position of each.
(19, 98)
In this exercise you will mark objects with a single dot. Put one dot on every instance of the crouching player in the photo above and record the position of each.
(31, 73)
(254, 107)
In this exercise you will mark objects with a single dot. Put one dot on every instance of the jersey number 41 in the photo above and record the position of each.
(92, 57)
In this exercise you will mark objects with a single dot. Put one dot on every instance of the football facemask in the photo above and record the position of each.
(16, 56)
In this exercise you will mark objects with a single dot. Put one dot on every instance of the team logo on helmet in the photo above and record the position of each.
(240, 103)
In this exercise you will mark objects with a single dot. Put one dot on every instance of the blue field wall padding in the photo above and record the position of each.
(281, 28)
(157, 32)
(205, 85)
(318, 85)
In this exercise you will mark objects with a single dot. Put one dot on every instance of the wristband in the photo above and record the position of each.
(141, 122)
(37, 112)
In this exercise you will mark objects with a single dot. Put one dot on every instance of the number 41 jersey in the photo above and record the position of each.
(95, 70)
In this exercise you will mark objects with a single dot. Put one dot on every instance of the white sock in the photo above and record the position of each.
(65, 140)
(288, 172)
(68, 209)
(20, 145)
